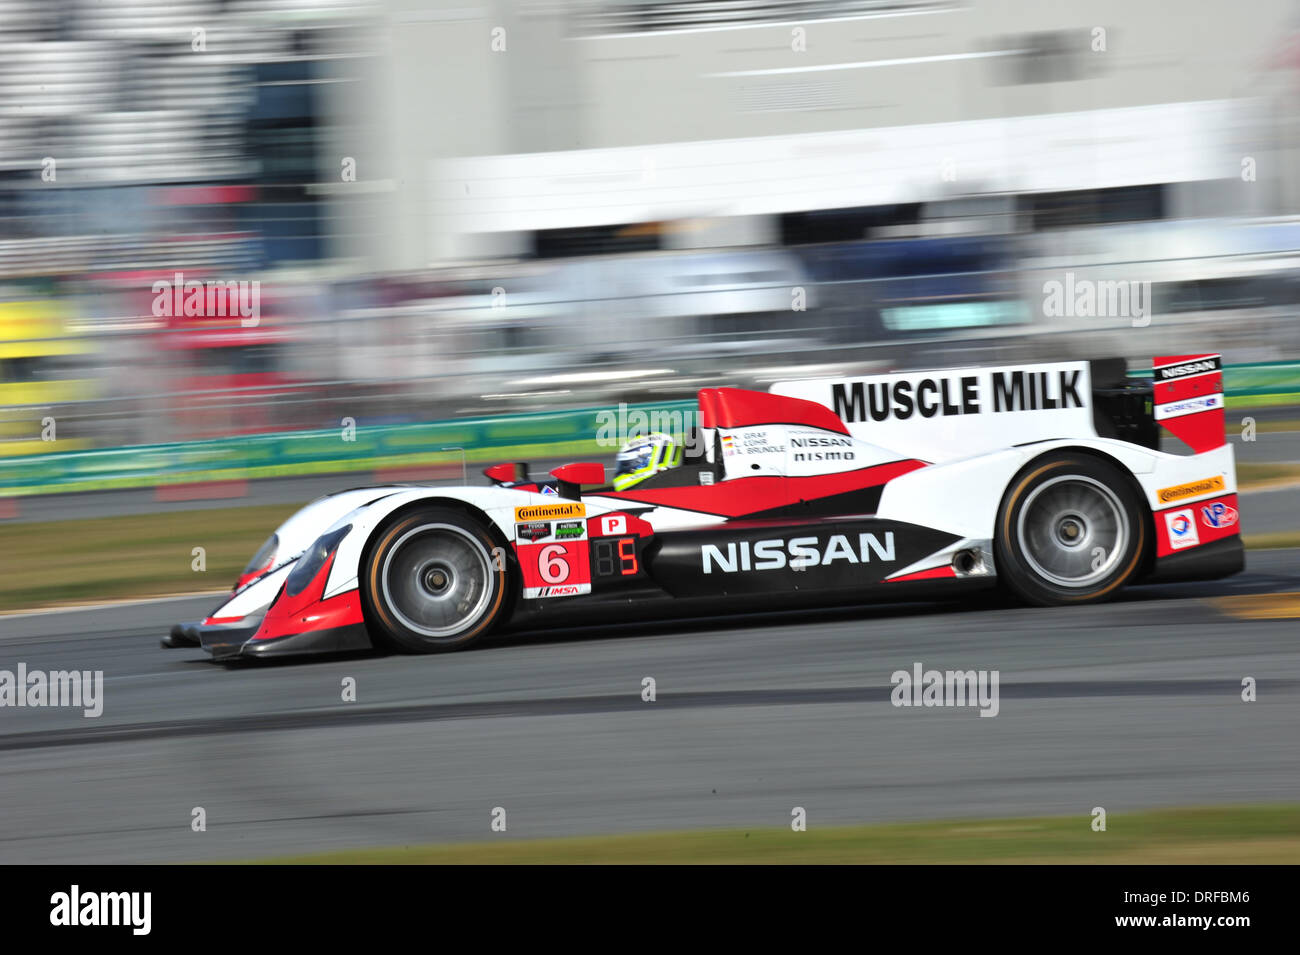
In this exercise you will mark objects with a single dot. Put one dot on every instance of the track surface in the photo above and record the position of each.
(1126, 705)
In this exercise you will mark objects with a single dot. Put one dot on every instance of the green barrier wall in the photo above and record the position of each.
(505, 438)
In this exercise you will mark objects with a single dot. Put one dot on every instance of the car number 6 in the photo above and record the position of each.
(551, 564)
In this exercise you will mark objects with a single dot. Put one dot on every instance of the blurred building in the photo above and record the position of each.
(552, 126)
(456, 208)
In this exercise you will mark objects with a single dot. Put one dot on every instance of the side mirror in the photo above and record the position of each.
(508, 473)
(586, 473)
(573, 476)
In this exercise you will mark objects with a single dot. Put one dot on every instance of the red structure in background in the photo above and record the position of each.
(225, 372)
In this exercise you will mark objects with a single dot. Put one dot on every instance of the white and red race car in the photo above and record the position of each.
(1045, 479)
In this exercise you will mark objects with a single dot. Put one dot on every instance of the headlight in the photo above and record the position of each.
(312, 560)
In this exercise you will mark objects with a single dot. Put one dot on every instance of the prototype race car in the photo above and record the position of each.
(1044, 479)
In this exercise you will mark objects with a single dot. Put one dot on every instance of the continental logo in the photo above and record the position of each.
(1192, 489)
(550, 512)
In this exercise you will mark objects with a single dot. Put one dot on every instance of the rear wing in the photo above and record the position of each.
(1187, 395)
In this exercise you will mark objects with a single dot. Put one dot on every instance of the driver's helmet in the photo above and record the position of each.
(642, 457)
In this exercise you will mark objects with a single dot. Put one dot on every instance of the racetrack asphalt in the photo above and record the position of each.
(1128, 705)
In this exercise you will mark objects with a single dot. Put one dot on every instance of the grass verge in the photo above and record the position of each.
(105, 558)
(1248, 834)
(1253, 475)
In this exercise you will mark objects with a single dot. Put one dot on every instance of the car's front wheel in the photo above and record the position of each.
(1071, 529)
(434, 581)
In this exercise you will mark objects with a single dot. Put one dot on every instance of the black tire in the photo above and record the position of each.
(1072, 529)
(434, 581)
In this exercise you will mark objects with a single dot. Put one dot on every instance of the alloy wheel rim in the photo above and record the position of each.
(436, 579)
(1072, 531)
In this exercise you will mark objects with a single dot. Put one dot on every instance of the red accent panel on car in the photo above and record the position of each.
(1181, 389)
(1191, 525)
(1190, 406)
(588, 472)
(738, 408)
(932, 574)
(749, 495)
(708, 398)
(616, 524)
(340, 611)
(509, 472)
(305, 611)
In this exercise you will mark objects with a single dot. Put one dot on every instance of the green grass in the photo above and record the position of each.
(1252, 474)
(1275, 427)
(104, 558)
(1272, 541)
(1251, 834)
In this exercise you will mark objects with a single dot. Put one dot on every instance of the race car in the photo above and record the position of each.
(1046, 480)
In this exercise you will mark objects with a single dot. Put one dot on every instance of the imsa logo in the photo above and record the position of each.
(797, 553)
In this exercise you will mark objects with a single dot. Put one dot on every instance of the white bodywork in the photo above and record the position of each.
(974, 428)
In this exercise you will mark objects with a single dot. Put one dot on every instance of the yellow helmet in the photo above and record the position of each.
(642, 457)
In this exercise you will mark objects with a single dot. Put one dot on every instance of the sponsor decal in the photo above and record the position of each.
(547, 489)
(533, 531)
(796, 553)
(1177, 409)
(824, 456)
(1219, 515)
(769, 560)
(1182, 528)
(957, 395)
(566, 590)
(828, 448)
(543, 512)
(1198, 366)
(818, 441)
(1167, 495)
(560, 564)
(706, 477)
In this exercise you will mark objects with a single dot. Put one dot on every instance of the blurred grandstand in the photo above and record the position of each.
(558, 203)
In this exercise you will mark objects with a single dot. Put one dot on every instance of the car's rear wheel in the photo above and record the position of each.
(434, 581)
(1071, 529)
